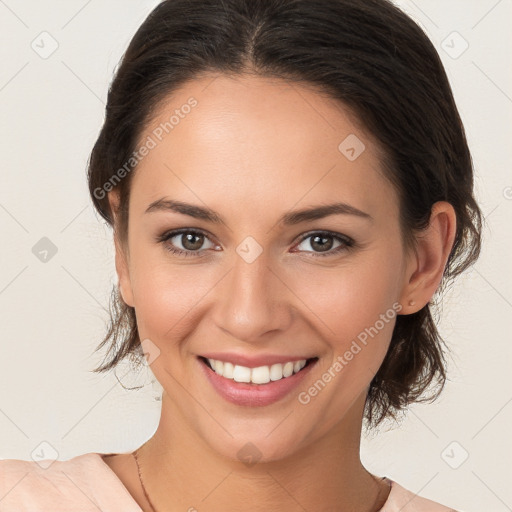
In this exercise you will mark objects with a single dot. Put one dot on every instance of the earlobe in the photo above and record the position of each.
(433, 247)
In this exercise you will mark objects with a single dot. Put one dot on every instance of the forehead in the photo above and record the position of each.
(256, 141)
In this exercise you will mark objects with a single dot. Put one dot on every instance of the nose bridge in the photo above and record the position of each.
(250, 300)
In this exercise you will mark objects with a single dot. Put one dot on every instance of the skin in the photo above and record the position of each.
(253, 149)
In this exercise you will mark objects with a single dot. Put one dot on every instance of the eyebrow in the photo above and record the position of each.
(288, 219)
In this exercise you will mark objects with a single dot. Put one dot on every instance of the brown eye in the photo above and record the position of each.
(185, 242)
(323, 242)
(191, 241)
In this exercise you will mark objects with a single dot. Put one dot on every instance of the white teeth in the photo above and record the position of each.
(259, 375)
(288, 369)
(228, 370)
(240, 373)
(276, 372)
(218, 367)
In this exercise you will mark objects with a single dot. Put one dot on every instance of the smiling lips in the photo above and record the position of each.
(254, 384)
(260, 369)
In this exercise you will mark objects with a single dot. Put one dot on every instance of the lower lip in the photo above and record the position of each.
(254, 395)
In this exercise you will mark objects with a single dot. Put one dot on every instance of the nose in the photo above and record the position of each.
(252, 300)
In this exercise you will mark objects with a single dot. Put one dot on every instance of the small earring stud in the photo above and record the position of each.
(412, 302)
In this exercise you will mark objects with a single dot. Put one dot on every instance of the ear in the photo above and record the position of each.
(121, 253)
(426, 265)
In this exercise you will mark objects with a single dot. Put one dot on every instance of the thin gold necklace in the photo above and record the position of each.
(146, 495)
(142, 483)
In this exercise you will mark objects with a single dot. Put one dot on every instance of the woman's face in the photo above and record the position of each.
(260, 284)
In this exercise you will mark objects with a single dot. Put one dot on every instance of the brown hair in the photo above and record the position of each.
(367, 54)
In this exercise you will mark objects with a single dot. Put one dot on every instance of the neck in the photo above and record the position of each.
(181, 472)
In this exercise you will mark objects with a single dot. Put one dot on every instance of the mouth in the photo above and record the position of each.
(255, 386)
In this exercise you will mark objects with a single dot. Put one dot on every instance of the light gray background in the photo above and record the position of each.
(53, 312)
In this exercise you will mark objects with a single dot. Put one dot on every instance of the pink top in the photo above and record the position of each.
(86, 483)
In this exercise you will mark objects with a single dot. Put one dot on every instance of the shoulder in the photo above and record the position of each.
(403, 500)
(82, 483)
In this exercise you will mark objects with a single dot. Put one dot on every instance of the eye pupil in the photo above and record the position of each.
(324, 246)
(194, 246)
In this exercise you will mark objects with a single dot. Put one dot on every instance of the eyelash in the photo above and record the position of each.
(347, 242)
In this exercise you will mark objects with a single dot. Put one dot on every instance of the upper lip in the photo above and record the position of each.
(253, 361)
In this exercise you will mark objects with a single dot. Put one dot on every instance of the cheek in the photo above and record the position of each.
(167, 297)
(356, 294)
(355, 303)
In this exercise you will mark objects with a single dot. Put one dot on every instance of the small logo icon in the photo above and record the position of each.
(44, 455)
(150, 350)
(249, 249)
(351, 147)
(454, 45)
(454, 455)
(44, 45)
(249, 454)
(44, 250)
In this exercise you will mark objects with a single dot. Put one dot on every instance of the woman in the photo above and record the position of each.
(289, 185)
